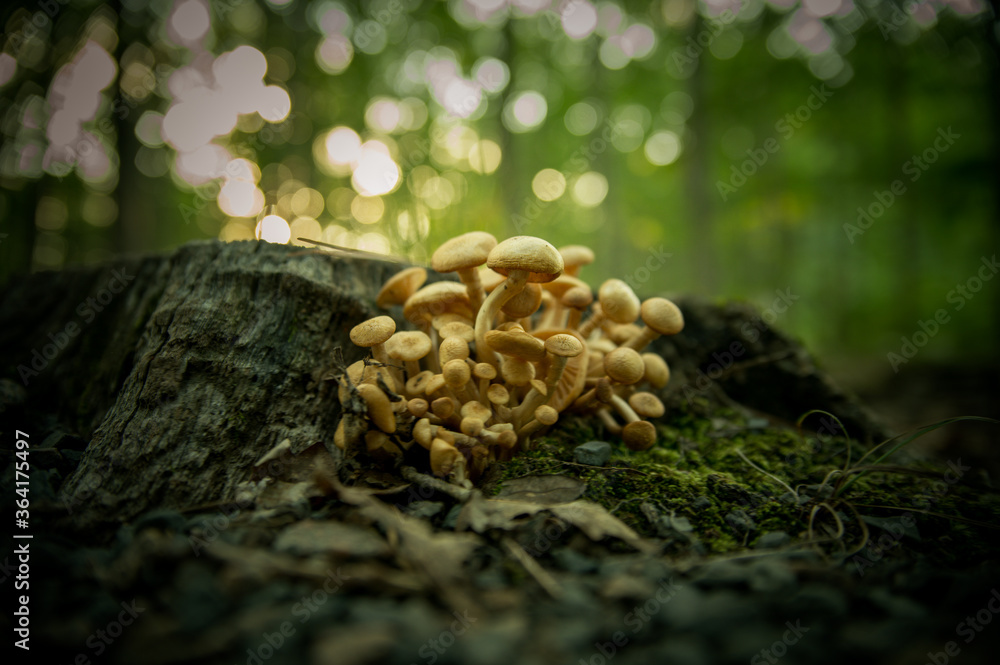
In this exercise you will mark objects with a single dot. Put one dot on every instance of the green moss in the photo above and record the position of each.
(694, 471)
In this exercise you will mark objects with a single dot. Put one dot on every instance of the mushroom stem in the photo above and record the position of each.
(535, 398)
(514, 284)
(474, 286)
(624, 410)
(596, 319)
(609, 422)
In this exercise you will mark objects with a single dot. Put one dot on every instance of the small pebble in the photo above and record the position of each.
(593, 453)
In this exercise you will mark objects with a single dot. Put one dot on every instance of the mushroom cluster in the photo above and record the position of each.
(501, 354)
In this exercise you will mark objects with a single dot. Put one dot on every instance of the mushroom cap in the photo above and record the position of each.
(443, 457)
(484, 371)
(401, 286)
(458, 329)
(471, 426)
(563, 283)
(657, 371)
(443, 407)
(623, 332)
(373, 331)
(663, 316)
(646, 405)
(476, 410)
(491, 280)
(441, 320)
(546, 415)
(516, 372)
(576, 255)
(408, 345)
(619, 302)
(417, 384)
(515, 343)
(452, 348)
(624, 365)
(417, 407)
(423, 432)
(639, 435)
(497, 394)
(538, 258)
(579, 297)
(605, 393)
(379, 408)
(563, 345)
(525, 303)
(456, 373)
(435, 299)
(469, 250)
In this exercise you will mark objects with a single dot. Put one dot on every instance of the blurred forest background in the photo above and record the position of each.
(722, 148)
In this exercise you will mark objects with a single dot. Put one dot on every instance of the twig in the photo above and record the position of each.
(422, 479)
(544, 579)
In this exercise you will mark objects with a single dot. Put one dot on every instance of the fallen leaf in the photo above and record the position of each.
(542, 489)
(327, 537)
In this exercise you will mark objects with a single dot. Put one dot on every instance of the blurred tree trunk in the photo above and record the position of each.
(700, 214)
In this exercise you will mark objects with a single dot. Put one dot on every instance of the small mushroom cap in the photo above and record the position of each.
(471, 426)
(452, 348)
(525, 303)
(563, 283)
(491, 280)
(639, 435)
(563, 345)
(417, 407)
(417, 385)
(539, 259)
(518, 344)
(469, 250)
(619, 302)
(442, 320)
(456, 373)
(434, 384)
(476, 410)
(423, 433)
(379, 408)
(457, 329)
(540, 386)
(485, 371)
(605, 393)
(575, 256)
(377, 441)
(373, 331)
(579, 297)
(443, 407)
(546, 415)
(624, 365)
(408, 345)
(507, 439)
(623, 332)
(497, 394)
(663, 316)
(443, 457)
(437, 298)
(657, 371)
(401, 286)
(646, 405)
(517, 372)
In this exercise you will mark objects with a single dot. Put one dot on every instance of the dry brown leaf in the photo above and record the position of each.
(542, 489)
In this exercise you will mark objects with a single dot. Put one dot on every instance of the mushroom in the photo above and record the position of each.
(444, 458)
(552, 317)
(560, 348)
(417, 407)
(646, 405)
(516, 343)
(433, 300)
(575, 257)
(453, 348)
(639, 435)
(623, 367)
(464, 254)
(524, 304)
(372, 334)
(618, 303)
(400, 286)
(522, 259)
(544, 416)
(661, 317)
(657, 372)
(379, 408)
(576, 300)
(409, 346)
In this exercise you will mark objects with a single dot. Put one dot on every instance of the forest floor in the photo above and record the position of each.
(685, 553)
